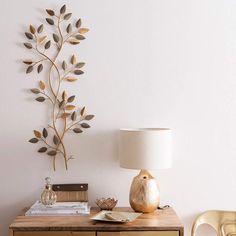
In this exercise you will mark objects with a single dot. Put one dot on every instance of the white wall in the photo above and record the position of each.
(149, 63)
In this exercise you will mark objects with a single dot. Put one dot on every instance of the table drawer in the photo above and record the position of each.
(53, 233)
(139, 233)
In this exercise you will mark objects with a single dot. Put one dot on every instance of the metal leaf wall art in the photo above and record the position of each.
(65, 115)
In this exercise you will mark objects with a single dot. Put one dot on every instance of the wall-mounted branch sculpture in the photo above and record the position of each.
(65, 116)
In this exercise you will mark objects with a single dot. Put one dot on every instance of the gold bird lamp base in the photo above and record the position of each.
(144, 193)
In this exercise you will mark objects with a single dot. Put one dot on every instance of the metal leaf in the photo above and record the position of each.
(83, 30)
(29, 69)
(28, 45)
(73, 41)
(65, 115)
(29, 35)
(42, 149)
(28, 61)
(69, 28)
(55, 38)
(69, 107)
(64, 65)
(61, 104)
(35, 91)
(63, 9)
(50, 21)
(52, 153)
(32, 29)
(55, 140)
(73, 60)
(71, 79)
(78, 72)
(77, 130)
(42, 39)
(82, 111)
(64, 95)
(41, 85)
(71, 98)
(40, 29)
(85, 125)
(78, 23)
(45, 133)
(74, 116)
(50, 12)
(47, 44)
(67, 16)
(37, 134)
(33, 140)
(40, 68)
(79, 37)
(89, 117)
(80, 65)
(40, 99)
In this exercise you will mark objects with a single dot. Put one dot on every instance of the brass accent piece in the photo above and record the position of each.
(144, 193)
(65, 117)
(223, 222)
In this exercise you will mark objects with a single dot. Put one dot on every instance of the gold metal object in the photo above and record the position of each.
(106, 203)
(223, 222)
(144, 193)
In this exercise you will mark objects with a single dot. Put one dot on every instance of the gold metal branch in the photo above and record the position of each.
(62, 108)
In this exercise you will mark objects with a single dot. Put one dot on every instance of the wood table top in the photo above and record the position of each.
(159, 220)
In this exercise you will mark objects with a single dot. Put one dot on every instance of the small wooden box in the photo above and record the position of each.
(71, 192)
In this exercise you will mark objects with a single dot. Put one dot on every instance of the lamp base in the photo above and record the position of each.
(144, 193)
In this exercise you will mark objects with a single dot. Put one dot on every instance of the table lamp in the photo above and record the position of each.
(145, 149)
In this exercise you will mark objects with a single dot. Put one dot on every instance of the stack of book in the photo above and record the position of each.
(59, 208)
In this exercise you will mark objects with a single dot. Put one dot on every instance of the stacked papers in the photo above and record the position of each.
(59, 208)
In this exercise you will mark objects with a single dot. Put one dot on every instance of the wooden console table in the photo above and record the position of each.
(160, 223)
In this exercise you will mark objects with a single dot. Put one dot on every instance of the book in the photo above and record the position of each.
(59, 208)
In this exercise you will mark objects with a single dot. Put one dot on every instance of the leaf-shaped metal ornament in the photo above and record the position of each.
(42, 85)
(71, 79)
(73, 116)
(45, 133)
(69, 107)
(78, 23)
(71, 99)
(28, 61)
(29, 35)
(40, 29)
(79, 65)
(83, 30)
(42, 39)
(47, 44)
(78, 72)
(28, 45)
(50, 21)
(50, 12)
(73, 41)
(37, 134)
(65, 115)
(61, 104)
(40, 99)
(29, 69)
(42, 149)
(67, 16)
(89, 117)
(33, 140)
(82, 111)
(64, 95)
(35, 91)
(55, 140)
(52, 153)
(55, 38)
(79, 37)
(32, 29)
(40, 68)
(73, 60)
(63, 9)
(64, 65)
(77, 130)
(69, 28)
(85, 125)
